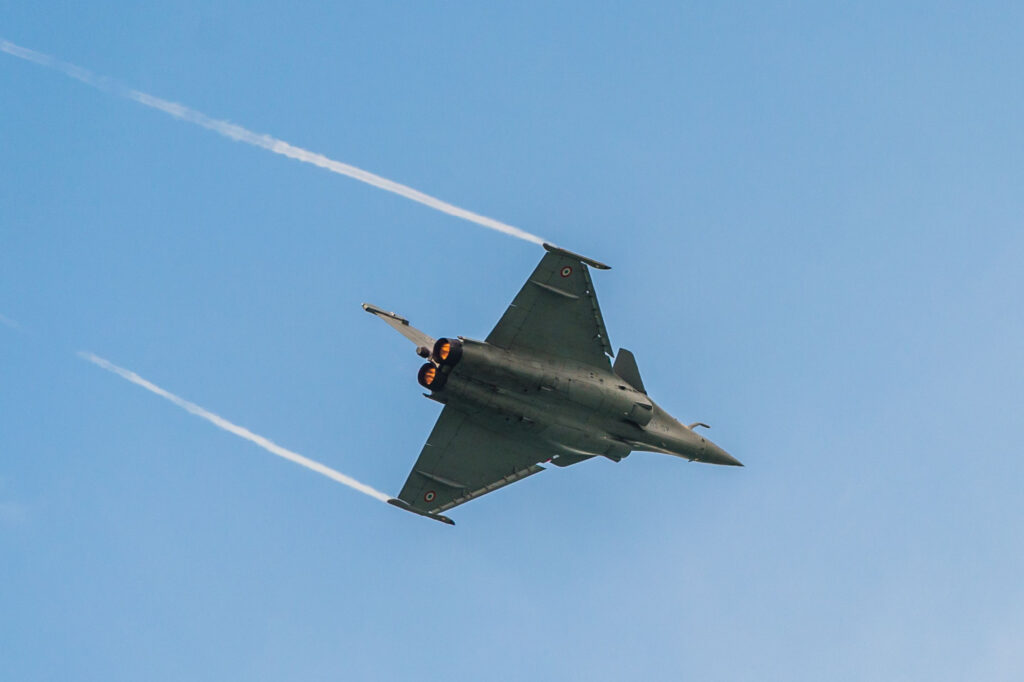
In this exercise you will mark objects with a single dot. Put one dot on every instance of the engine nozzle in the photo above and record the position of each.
(430, 376)
(447, 352)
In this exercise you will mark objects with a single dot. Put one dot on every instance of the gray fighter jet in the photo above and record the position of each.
(540, 388)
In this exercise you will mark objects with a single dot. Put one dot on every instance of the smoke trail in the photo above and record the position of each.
(240, 134)
(239, 431)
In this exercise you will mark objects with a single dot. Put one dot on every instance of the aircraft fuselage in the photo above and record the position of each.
(575, 410)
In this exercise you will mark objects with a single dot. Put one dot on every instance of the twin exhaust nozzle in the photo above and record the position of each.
(443, 357)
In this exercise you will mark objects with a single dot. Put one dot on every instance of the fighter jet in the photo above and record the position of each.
(540, 388)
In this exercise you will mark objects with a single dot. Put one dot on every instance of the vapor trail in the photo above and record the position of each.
(240, 134)
(239, 431)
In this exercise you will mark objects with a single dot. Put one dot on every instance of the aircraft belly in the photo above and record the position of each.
(576, 442)
(549, 418)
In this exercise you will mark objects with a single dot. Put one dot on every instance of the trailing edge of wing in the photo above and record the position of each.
(401, 325)
(500, 483)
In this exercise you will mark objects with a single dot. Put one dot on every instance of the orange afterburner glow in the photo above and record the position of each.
(430, 376)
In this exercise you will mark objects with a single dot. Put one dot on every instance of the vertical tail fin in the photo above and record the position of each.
(626, 369)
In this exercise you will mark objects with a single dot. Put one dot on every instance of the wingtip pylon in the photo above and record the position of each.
(375, 310)
(402, 504)
(583, 259)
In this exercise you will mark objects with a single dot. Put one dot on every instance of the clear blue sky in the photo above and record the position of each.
(814, 220)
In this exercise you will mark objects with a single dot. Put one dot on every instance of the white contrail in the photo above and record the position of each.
(240, 134)
(239, 431)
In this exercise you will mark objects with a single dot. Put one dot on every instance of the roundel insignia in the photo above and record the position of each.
(566, 271)
(429, 497)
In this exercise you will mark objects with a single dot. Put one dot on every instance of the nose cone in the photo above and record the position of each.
(716, 455)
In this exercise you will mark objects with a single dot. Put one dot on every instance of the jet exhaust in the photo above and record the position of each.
(239, 134)
(239, 431)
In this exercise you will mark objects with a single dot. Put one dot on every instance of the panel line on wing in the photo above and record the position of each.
(441, 479)
(554, 290)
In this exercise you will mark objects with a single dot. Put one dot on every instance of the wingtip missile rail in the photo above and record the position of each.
(402, 504)
(583, 259)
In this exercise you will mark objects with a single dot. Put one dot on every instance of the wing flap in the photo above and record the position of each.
(500, 483)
